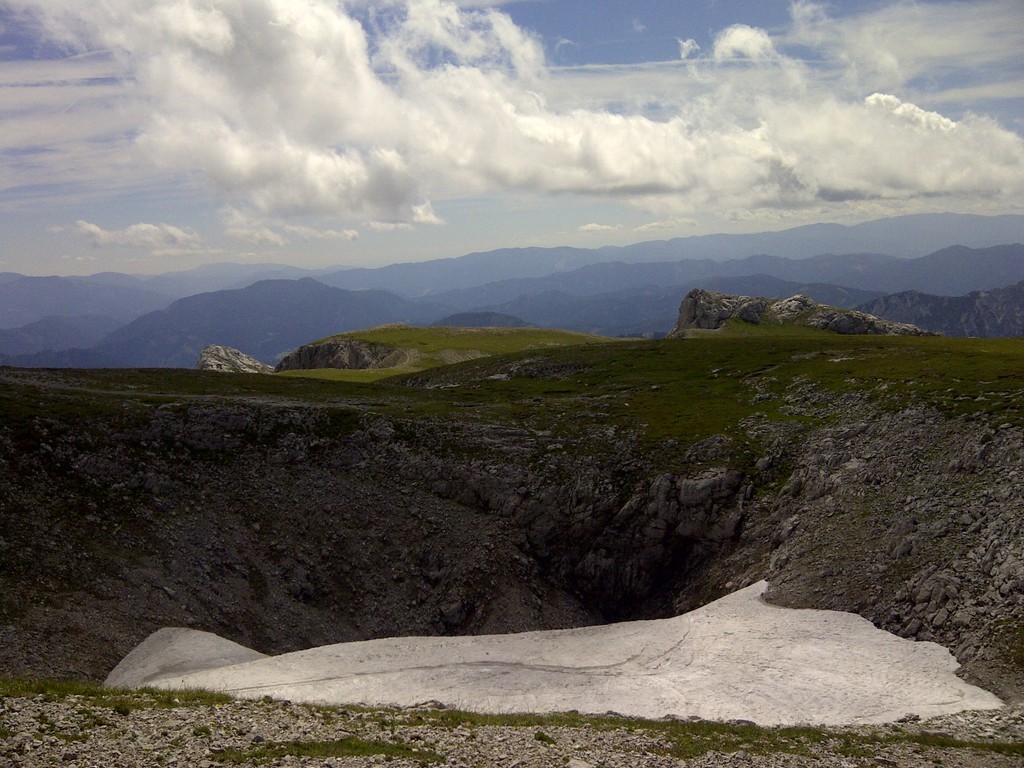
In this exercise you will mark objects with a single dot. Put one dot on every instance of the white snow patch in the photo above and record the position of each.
(737, 657)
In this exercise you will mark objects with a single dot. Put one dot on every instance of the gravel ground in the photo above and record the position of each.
(139, 729)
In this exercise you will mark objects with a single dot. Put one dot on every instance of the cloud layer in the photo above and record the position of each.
(367, 112)
(152, 236)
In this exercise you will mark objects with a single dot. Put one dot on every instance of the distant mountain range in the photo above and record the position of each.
(998, 312)
(264, 320)
(123, 320)
(57, 332)
(25, 300)
(900, 238)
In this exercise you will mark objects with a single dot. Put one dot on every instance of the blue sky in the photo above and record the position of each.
(155, 135)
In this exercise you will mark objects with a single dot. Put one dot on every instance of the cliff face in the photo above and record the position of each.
(709, 310)
(340, 353)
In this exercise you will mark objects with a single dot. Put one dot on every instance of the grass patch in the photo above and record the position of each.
(693, 388)
(693, 739)
(348, 747)
(584, 389)
(364, 376)
(122, 701)
(424, 348)
(492, 341)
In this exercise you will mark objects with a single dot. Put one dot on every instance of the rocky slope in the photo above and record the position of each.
(997, 312)
(282, 522)
(340, 352)
(215, 357)
(129, 730)
(708, 310)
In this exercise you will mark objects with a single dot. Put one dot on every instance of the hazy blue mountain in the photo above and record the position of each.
(652, 310)
(430, 277)
(7, 277)
(480, 320)
(636, 312)
(29, 299)
(776, 288)
(264, 320)
(604, 278)
(56, 333)
(951, 271)
(203, 279)
(997, 312)
(900, 237)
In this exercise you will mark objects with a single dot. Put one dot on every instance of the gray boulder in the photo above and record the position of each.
(215, 357)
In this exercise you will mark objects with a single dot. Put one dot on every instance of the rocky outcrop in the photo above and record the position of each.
(342, 352)
(215, 357)
(709, 310)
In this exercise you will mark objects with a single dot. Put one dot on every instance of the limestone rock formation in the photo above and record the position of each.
(341, 352)
(709, 310)
(215, 357)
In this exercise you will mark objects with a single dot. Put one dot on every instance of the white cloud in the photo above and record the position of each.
(153, 236)
(312, 233)
(424, 214)
(294, 108)
(687, 48)
(241, 226)
(595, 227)
(639, 27)
(389, 226)
(916, 48)
(743, 41)
(666, 225)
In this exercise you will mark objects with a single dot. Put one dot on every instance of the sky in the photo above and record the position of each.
(148, 136)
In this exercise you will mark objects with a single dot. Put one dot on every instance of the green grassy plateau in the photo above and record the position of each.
(662, 390)
(432, 347)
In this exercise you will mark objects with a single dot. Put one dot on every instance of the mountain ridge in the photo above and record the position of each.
(995, 312)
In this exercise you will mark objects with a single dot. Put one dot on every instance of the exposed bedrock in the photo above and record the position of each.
(216, 357)
(283, 527)
(339, 353)
(709, 310)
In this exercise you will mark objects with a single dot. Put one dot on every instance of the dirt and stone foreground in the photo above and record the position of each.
(137, 729)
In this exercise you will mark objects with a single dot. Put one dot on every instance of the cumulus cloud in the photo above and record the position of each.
(662, 226)
(915, 44)
(742, 41)
(370, 111)
(595, 227)
(687, 48)
(312, 233)
(241, 226)
(154, 236)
